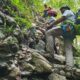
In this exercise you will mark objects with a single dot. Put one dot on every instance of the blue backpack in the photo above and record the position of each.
(68, 31)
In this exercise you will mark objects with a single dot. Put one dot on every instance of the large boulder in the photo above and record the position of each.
(40, 63)
(11, 44)
(8, 47)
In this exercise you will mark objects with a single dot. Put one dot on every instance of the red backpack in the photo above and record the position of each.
(52, 13)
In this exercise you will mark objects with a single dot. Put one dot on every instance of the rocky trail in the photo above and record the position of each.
(23, 55)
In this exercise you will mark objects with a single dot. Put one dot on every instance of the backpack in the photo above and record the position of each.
(68, 31)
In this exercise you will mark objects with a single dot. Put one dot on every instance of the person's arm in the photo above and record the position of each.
(57, 21)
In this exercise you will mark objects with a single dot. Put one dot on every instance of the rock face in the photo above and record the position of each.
(22, 54)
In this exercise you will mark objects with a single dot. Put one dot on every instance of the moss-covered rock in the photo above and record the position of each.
(41, 64)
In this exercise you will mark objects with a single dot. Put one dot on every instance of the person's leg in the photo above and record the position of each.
(50, 38)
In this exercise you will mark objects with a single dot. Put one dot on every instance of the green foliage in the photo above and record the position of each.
(19, 4)
(24, 11)
(22, 22)
(74, 4)
(77, 62)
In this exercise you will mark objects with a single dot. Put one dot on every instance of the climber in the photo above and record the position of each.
(67, 19)
(52, 14)
(45, 10)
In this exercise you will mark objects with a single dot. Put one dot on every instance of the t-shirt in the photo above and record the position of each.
(69, 16)
(51, 19)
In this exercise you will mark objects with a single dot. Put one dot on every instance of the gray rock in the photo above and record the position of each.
(59, 45)
(24, 54)
(24, 79)
(62, 72)
(40, 46)
(28, 67)
(40, 63)
(2, 36)
(60, 58)
(15, 70)
(17, 31)
(68, 74)
(55, 76)
(10, 19)
(10, 44)
(10, 40)
(25, 73)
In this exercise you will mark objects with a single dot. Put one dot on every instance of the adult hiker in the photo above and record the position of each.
(52, 14)
(67, 19)
(45, 11)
